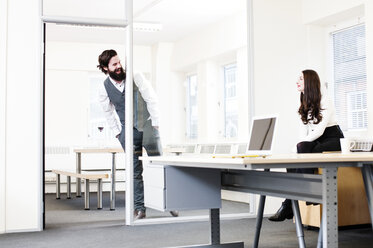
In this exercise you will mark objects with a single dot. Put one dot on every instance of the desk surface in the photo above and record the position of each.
(99, 150)
(281, 160)
(312, 158)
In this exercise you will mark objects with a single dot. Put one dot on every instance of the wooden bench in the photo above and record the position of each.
(86, 177)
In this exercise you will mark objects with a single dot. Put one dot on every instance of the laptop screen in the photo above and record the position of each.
(262, 133)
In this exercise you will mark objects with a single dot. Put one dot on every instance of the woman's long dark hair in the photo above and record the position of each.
(310, 100)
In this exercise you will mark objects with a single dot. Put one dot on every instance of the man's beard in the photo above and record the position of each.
(116, 75)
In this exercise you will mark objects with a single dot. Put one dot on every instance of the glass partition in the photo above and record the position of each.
(193, 54)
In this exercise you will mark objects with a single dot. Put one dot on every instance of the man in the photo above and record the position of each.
(145, 118)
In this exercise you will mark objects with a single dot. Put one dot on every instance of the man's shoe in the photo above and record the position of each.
(139, 214)
(174, 213)
(285, 212)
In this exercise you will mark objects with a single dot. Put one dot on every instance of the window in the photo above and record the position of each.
(230, 101)
(357, 110)
(350, 80)
(192, 109)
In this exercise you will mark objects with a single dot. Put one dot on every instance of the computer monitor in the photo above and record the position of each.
(262, 135)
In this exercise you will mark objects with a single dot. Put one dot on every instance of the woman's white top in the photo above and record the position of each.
(312, 131)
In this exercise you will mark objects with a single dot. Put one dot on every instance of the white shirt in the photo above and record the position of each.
(147, 92)
(312, 131)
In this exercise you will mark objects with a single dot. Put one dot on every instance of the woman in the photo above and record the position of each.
(319, 132)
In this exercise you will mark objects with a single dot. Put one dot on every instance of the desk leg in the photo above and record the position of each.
(298, 223)
(367, 173)
(112, 191)
(330, 208)
(215, 234)
(259, 220)
(215, 226)
(78, 170)
(319, 240)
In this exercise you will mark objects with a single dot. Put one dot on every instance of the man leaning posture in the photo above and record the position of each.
(145, 118)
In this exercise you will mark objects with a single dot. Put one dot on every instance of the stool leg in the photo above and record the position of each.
(78, 170)
(68, 194)
(112, 191)
(99, 193)
(58, 185)
(298, 223)
(86, 194)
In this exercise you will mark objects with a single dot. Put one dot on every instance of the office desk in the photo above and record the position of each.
(254, 175)
(113, 151)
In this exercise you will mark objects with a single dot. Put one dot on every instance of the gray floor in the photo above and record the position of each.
(68, 225)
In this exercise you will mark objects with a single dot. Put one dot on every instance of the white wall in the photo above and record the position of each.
(279, 57)
(320, 20)
(3, 75)
(23, 118)
(204, 53)
(168, 91)
(226, 35)
(320, 10)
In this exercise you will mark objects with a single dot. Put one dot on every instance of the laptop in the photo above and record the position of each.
(261, 138)
(262, 133)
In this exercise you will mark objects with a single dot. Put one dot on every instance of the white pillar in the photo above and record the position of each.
(129, 116)
(23, 138)
(3, 77)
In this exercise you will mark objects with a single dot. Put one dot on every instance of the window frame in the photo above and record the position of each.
(188, 107)
(329, 31)
(224, 98)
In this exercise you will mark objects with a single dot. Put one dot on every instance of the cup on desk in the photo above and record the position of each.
(347, 144)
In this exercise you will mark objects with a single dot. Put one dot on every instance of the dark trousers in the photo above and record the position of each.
(149, 139)
(328, 141)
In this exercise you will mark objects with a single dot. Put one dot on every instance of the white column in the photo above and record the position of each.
(23, 187)
(209, 120)
(243, 94)
(3, 51)
(129, 112)
(169, 88)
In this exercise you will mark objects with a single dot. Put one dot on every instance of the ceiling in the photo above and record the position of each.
(179, 18)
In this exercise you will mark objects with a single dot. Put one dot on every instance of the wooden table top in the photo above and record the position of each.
(240, 162)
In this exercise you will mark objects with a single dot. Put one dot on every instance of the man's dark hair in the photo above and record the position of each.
(104, 59)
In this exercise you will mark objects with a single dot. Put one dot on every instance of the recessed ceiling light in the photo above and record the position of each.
(147, 27)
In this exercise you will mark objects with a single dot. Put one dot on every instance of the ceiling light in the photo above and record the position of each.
(147, 27)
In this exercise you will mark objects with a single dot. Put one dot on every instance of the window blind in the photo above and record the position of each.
(350, 80)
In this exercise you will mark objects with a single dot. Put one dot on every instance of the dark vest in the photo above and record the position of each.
(117, 98)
